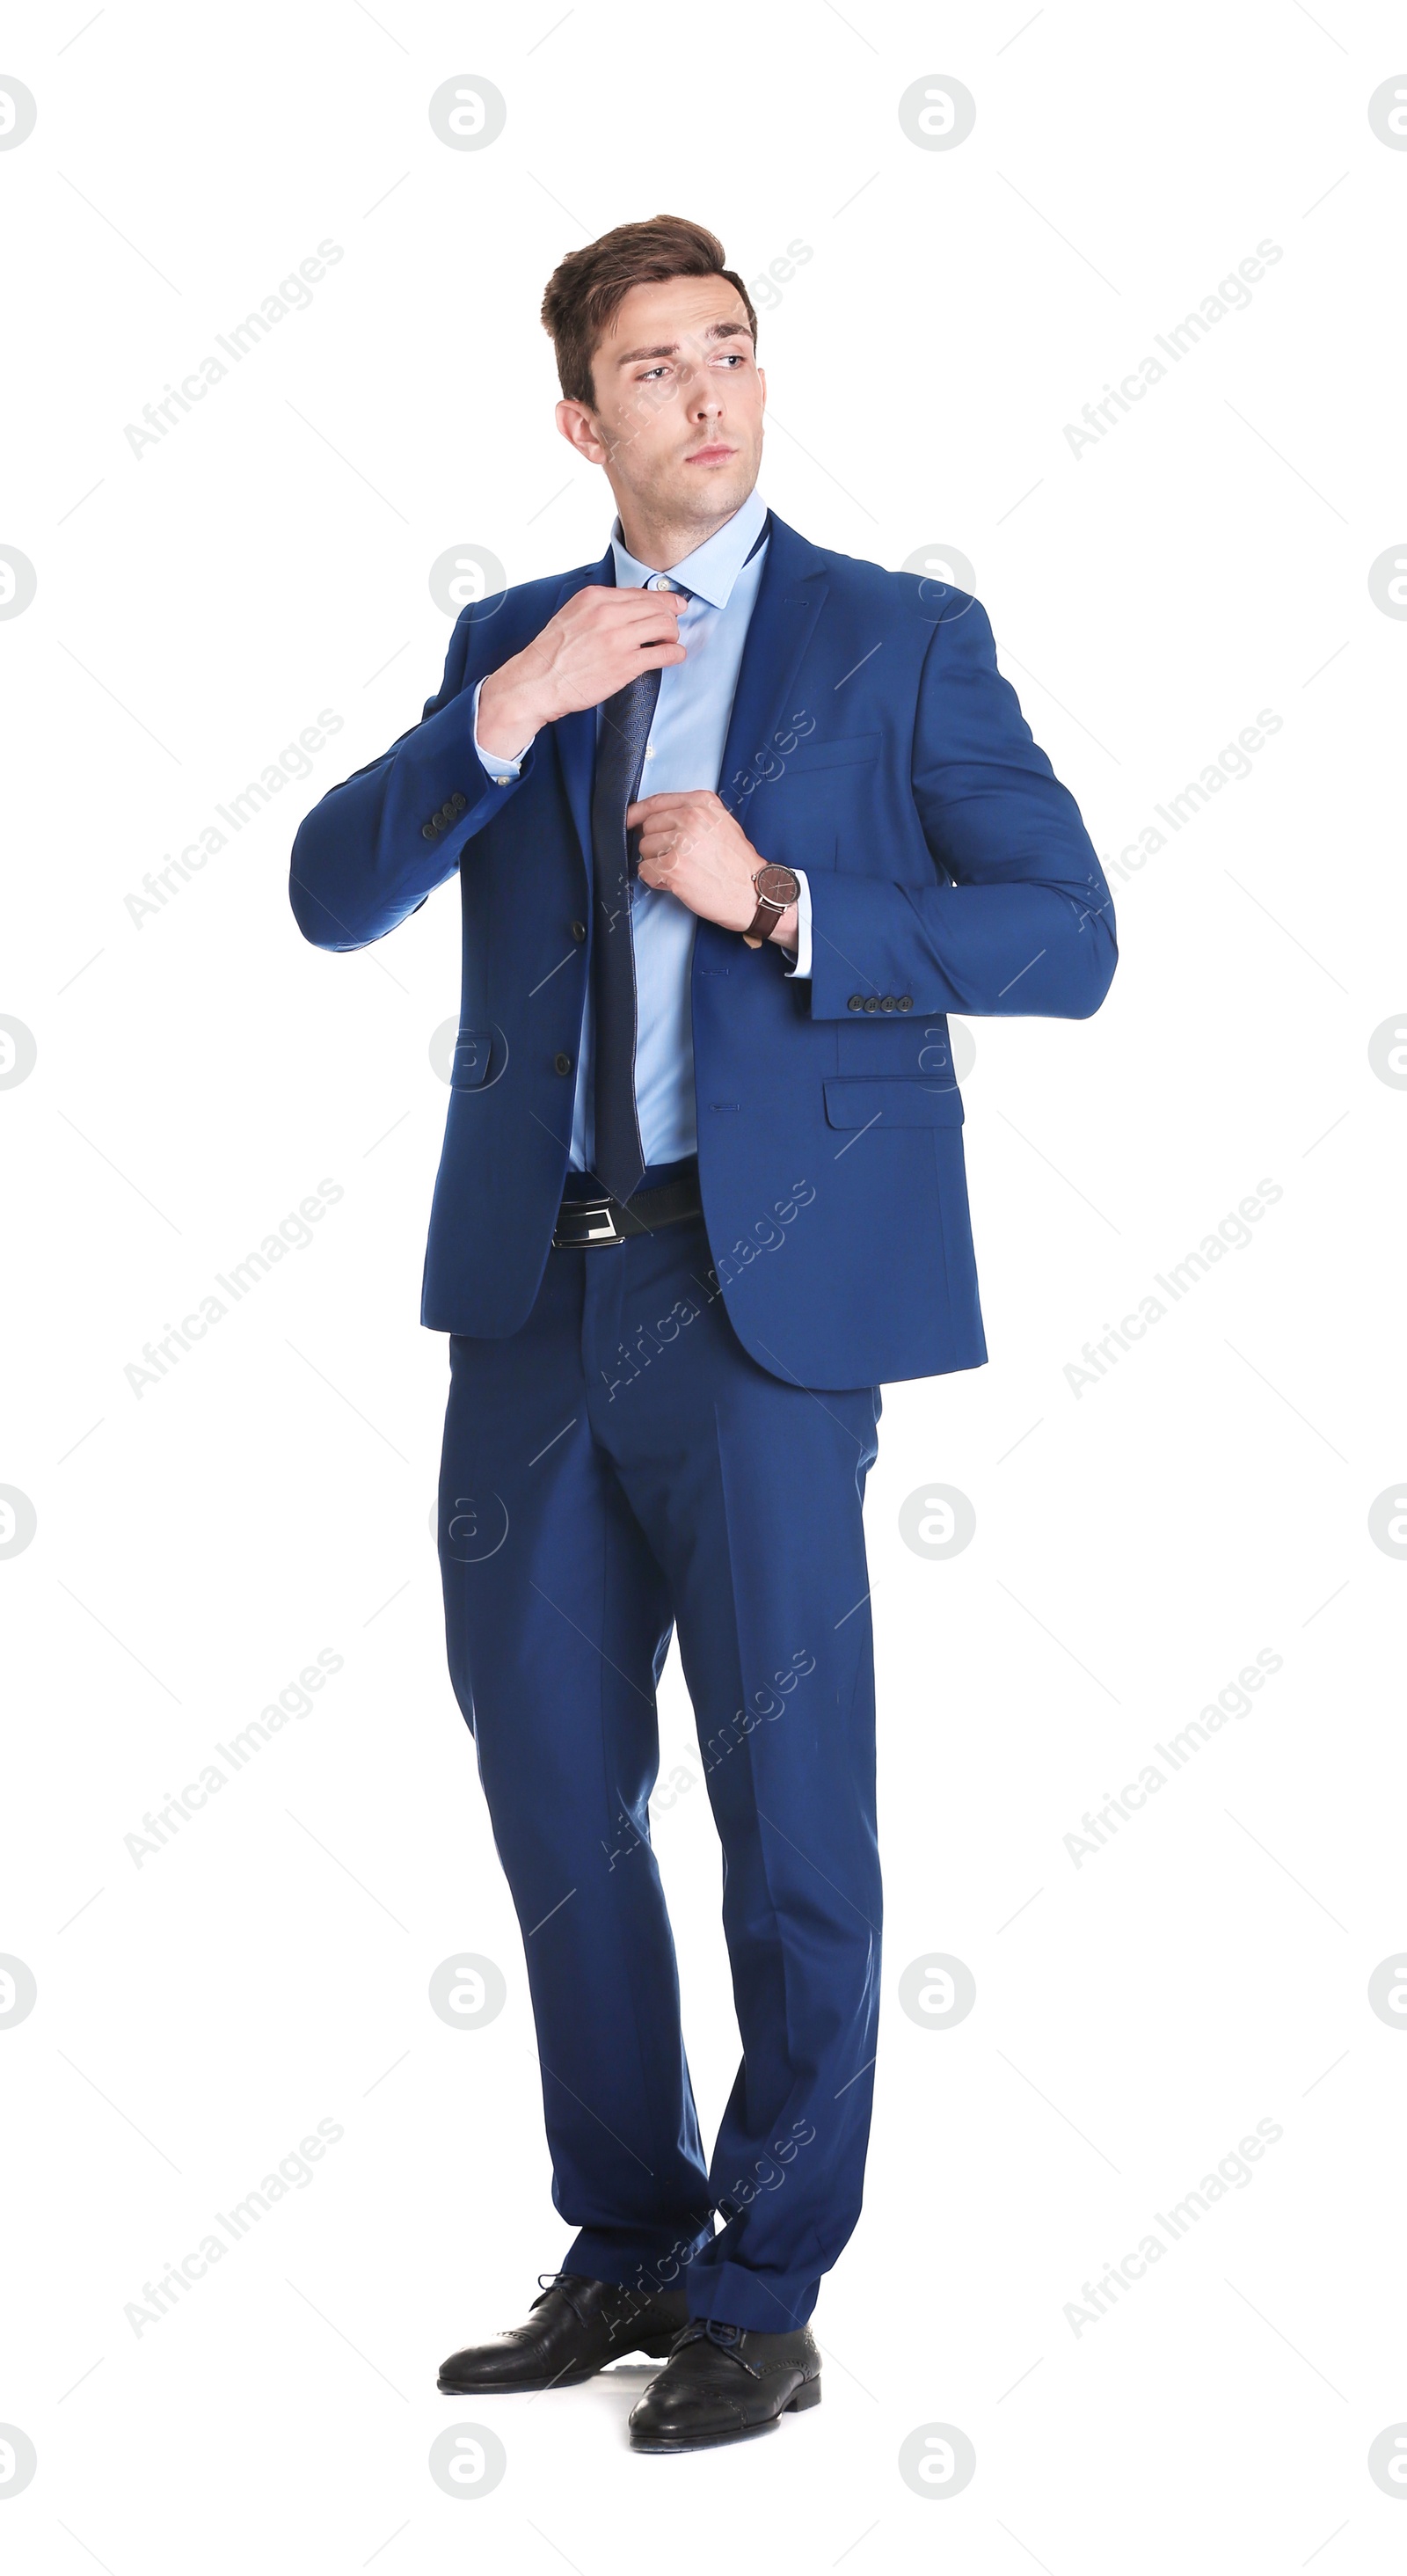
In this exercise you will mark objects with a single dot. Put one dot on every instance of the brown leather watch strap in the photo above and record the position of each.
(782, 890)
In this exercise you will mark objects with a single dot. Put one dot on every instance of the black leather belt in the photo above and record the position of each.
(583, 1223)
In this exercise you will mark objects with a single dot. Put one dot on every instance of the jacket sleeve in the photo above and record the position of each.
(1019, 921)
(376, 846)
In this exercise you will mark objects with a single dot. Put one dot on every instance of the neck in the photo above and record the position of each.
(656, 539)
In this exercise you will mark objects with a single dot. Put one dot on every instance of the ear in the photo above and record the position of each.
(578, 428)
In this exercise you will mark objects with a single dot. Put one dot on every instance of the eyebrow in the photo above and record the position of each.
(670, 348)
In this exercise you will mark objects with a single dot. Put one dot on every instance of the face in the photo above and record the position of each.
(677, 420)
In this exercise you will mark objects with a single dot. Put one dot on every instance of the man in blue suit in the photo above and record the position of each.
(737, 821)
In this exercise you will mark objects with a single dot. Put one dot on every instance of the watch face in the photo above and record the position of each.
(778, 885)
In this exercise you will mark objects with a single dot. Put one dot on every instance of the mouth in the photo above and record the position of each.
(714, 455)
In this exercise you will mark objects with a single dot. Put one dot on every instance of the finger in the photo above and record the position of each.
(615, 596)
(644, 630)
(676, 801)
(664, 854)
(668, 844)
(656, 656)
(625, 605)
(631, 623)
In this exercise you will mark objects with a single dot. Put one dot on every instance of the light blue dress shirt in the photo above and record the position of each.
(684, 750)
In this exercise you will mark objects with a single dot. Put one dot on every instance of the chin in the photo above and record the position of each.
(720, 484)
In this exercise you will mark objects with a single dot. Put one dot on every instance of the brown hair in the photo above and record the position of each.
(588, 287)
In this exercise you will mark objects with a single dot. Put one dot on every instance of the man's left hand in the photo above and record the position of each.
(691, 847)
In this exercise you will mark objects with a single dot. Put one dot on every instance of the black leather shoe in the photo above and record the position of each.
(724, 2383)
(573, 2330)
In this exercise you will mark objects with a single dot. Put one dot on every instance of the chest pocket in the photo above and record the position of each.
(792, 816)
(820, 753)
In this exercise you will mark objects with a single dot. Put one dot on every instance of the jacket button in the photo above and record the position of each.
(856, 1002)
(578, 931)
(870, 1003)
(906, 1001)
(561, 1064)
(887, 1003)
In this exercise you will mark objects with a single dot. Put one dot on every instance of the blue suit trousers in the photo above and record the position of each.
(618, 1467)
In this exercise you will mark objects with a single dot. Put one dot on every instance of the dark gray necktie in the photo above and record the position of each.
(618, 1157)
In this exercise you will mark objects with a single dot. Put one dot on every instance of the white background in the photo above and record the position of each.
(1136, 1544)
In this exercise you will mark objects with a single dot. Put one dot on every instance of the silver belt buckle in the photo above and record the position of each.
(599, 1224)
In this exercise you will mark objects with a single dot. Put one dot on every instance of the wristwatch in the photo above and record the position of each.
(777, 890)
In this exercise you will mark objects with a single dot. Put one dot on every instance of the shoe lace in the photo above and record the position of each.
(724, 2338)
(547, 2282)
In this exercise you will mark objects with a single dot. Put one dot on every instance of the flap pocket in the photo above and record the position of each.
(862, 1099)
(470, 1061)
(838, 752)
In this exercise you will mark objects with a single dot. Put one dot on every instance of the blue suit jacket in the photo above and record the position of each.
(872, 742)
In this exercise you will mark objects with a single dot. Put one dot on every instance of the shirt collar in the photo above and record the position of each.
(711, 570)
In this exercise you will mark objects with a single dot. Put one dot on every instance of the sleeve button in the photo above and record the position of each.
(870, 1003)
(888, 1002)
(856, 1002)
(906, 1001)
(427, 831)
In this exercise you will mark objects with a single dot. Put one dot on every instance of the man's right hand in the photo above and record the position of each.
(598, 640)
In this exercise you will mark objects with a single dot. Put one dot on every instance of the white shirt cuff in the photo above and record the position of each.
(802, 965)
(497, 764)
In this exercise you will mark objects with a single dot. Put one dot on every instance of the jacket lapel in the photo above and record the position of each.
(790, 598)
(575, 735)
